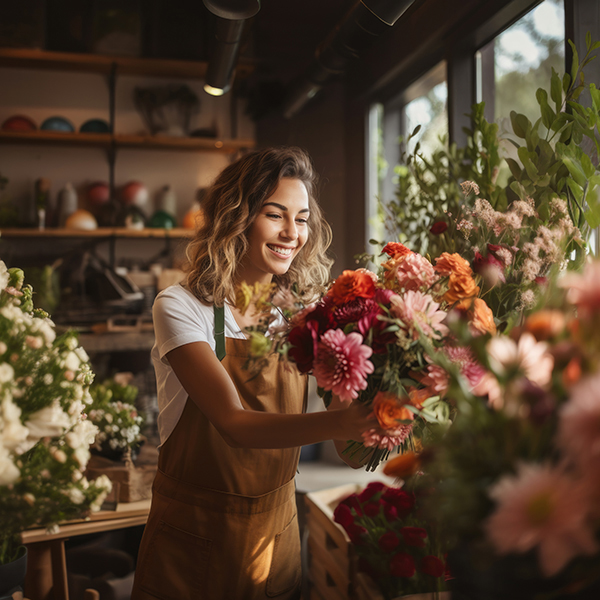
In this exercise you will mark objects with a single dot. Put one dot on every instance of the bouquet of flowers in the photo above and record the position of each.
(114, 412)
(516, 476)
(44, 434)
(369, 338)
(391, 540)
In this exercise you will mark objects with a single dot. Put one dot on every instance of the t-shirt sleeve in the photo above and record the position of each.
(178, 322)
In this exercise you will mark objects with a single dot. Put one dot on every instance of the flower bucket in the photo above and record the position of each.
(12, 576)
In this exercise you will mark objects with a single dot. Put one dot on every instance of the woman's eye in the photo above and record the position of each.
(273, 216)
(302, 221)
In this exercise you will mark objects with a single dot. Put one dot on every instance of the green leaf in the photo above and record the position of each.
(547, 113)
(520, 124)
(515, 167)
(556, 91)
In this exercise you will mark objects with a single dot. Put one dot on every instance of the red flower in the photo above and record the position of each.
(403, 501)
(489, 267)
(432, 565)
(414, 536)
(439, 227)
(388, 542)
(351, 285)
(402, 565)
(343, 515)
(372, 509)
(373, 488)
(302, 350)
(396, 250)
(390, 512)
(356, 533)
(352, 502)
(353, 311)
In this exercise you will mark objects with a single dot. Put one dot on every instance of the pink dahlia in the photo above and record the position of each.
(419, 313)
(388, 440)
(415, 272)
(342, 363)
(579, 422)
(541, 506)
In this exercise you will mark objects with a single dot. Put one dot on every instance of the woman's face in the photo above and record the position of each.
(277, 234)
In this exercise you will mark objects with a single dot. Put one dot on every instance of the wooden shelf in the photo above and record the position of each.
(31, 58)
(106, 140)
(120, 232)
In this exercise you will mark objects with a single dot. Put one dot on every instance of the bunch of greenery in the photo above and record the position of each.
(551, 162)
(44, 435)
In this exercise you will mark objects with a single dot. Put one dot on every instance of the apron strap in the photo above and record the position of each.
(220, 331)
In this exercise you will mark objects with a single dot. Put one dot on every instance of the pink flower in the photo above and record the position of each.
(419, 313)
(541, 506)
(490, 268)
(342, 363)
(390, 440)
(584, 288)
(579, 422)
(415, 272)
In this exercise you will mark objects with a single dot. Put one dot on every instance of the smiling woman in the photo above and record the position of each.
(224, 493)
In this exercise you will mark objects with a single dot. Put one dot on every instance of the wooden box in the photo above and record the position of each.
(130, 482)
(330, 564)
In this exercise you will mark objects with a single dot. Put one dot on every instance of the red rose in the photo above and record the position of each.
(356, 533)
(439, 227)
(352, 502)
(343, 515)
(373, 488)
(371, 509)
(390, 512)
(414, 536)
(432, 565)
(388, 542)
(403, 501)
(302, 348)
(402, 565)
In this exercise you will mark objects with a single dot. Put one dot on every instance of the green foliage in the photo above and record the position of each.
(551, 162)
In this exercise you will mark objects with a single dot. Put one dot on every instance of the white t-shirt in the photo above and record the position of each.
(180, 319)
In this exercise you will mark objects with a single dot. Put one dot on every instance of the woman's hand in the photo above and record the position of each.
(356, 419)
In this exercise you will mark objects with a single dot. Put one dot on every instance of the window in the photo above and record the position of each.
(519, 61)
(423, 103)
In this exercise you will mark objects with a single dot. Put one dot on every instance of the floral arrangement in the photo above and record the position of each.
(530, 199)
(369, 337)
(391, 541)
(516, 476)
(114, 412)
(44, 434)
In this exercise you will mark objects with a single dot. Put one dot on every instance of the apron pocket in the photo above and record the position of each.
(286, 569)
(176, 564)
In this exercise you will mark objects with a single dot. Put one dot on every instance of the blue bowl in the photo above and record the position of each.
(95, 126)
(58, 124)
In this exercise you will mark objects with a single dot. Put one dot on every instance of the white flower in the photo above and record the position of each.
(3, 348)
(72, 361)
(7, 373)
(11, 428)
(8, 470)
(29, 498)
(75, 495)
(81, 354)
(50, 421)
(82, 455)
(4, 275)
(83, 434)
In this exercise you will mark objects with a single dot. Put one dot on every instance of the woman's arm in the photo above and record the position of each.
(209, 386)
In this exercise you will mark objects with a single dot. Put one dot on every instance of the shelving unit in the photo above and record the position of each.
(101, 232)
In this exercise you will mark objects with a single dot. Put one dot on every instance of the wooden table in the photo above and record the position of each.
(46, 577)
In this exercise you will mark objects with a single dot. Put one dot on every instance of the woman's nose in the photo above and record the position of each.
(290, 230)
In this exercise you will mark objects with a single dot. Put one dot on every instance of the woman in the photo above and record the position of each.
(223, 519)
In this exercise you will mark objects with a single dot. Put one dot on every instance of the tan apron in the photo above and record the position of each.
(223, 522)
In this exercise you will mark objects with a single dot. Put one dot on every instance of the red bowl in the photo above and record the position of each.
(19, 123)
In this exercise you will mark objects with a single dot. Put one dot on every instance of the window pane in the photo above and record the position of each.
(521, 59)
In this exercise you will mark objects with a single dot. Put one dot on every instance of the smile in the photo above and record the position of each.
(280, 250)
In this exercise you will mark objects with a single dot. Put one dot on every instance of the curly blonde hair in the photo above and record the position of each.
(229, 208)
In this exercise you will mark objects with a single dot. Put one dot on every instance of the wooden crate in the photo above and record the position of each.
(365, 589)
(331, 556)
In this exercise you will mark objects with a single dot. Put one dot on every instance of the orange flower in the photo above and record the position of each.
(403, 466)
(389, 410)
(351, 285)
(396, 250)
(461, 284)
(418, 395)
(480, 315)
(572, 372)
(545, 324)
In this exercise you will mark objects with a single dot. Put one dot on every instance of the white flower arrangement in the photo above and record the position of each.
(45, 436)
